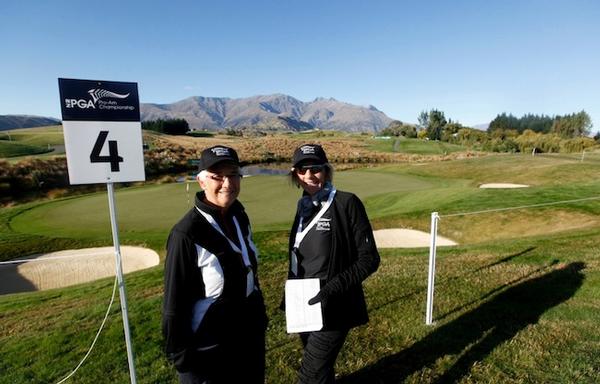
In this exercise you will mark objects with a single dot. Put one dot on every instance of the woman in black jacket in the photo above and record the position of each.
(332, 240)
(214, 317)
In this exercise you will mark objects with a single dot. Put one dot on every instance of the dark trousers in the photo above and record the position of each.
(321, 349)
(240, 358)
(243, 362)
(192, 378)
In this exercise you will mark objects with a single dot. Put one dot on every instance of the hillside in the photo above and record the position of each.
(25, 121)
(278, 111)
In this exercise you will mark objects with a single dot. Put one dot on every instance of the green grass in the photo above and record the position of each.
(517, 302)
(19, 143)
(15, 244)
(42, 136)
(13, 149)
(414, 146)
(504, 313)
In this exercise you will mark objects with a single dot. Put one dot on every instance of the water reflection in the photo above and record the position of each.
(249, 170)
(254, 170)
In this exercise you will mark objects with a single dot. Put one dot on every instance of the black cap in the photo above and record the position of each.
(217, 154)
(313, 152)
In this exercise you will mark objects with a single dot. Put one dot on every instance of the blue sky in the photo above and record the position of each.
(470, 59)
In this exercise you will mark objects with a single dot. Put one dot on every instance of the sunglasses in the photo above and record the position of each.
(221, 178)
(315, 168)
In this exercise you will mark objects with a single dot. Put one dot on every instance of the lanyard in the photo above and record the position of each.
(244, 250)
(302, 232)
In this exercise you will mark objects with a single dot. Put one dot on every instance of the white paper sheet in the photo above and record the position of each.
(299, 316)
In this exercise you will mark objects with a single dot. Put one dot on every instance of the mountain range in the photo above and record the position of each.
(269, 112)
(25, 121)
(273, 112)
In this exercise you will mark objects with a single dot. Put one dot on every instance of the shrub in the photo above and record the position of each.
(398, 128)
(169, 126)
(577, 144)
(200, 134)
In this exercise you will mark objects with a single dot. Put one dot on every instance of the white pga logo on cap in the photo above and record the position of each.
(220, 151)
(307, 149)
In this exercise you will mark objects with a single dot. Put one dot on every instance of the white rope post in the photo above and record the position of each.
(121, 282)
(187, 191)
(431, 280)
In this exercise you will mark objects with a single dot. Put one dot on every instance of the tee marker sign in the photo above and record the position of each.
(103, 134)
(103, 142)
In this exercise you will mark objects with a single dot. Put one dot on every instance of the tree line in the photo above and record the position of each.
(506, 133)
(169, 126)
(568, 126)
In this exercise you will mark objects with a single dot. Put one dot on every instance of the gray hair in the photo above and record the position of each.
(202, 176)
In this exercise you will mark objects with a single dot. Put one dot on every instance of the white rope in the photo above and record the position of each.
(520, 207)
(112, 299)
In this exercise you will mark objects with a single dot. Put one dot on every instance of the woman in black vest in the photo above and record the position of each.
(332, 240)
(214, 317)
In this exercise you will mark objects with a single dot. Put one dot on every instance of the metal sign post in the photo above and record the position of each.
(103, 143)
(121, 283)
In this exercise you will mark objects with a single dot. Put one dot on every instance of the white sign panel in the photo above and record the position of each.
(101, 152)
(103, 134)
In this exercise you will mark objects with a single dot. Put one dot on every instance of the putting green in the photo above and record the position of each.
(269, 200)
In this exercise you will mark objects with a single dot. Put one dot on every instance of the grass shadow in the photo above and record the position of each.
(494, 291)
(475, 334)
(505, 259)
(445, 281)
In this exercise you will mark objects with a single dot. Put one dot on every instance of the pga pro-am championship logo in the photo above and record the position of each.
(91, 100)
(96, 102)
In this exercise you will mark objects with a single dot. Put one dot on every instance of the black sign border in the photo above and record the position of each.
(75, 88)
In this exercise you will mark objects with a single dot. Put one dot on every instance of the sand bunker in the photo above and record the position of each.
(503, 185)
(71, 267)
(406, 238)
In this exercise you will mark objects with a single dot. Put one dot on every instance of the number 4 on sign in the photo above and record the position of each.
(113, 154)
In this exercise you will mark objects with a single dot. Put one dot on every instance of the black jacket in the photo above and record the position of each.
(353, 258)
(191, 240)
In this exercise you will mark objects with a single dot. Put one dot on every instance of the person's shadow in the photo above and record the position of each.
(475, 334)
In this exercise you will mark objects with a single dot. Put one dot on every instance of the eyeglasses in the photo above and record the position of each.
(221, 178)
(315, 168)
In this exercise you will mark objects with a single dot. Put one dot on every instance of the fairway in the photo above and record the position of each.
(395, 196)
(42, 136)
(414, 146)
(515, 302)
(31, 141)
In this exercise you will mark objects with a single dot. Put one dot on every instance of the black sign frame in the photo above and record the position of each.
(98, 100)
